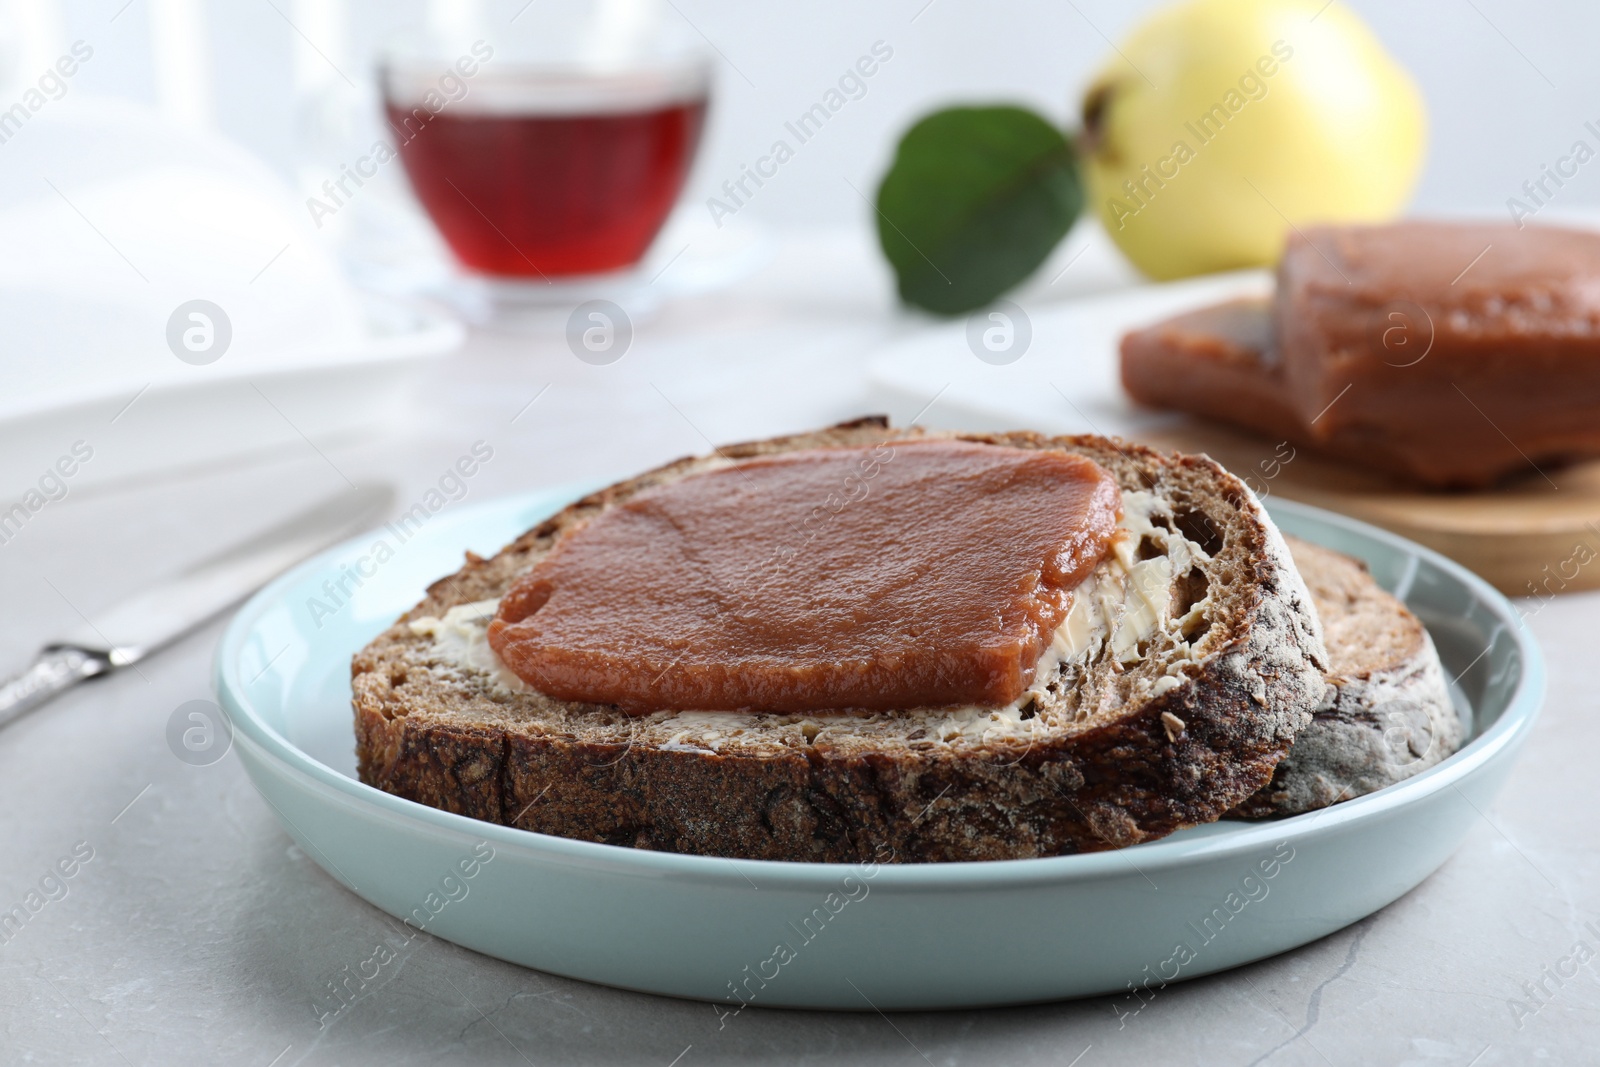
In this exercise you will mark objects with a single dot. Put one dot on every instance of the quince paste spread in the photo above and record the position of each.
(914, 574)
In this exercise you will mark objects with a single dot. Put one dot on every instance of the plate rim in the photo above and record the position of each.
(1507, 732)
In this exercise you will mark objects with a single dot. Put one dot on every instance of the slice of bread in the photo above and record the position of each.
(1193, 658)
(1388, 713)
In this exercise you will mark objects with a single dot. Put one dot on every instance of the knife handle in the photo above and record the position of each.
(53, 670)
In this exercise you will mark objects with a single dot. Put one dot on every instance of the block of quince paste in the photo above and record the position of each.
(1455, 353)
(1220, 362)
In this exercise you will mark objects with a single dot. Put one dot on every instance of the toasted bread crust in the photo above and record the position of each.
(838, 799)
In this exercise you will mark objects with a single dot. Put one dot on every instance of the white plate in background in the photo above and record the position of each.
(1065, 381)
(190, 418)
(116, 220)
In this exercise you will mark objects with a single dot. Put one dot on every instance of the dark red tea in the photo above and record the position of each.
(549, 193)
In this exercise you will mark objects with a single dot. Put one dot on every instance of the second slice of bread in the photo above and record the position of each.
(1388, 714)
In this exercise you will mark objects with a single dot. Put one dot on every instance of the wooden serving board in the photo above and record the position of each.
(1536, 536)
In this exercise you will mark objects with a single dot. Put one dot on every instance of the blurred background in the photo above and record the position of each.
(1506, 83)
(186, 154)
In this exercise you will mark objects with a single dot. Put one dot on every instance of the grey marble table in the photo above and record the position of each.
(192, 930)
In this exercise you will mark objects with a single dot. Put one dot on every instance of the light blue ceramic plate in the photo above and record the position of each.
(827, 936)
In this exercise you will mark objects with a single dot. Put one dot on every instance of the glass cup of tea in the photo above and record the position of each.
(542, 164)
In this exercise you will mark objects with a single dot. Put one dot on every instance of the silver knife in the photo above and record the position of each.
(148, 621)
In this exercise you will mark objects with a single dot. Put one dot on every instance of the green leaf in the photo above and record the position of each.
(975, 200)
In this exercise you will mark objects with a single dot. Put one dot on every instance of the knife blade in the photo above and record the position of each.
(153, 618)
